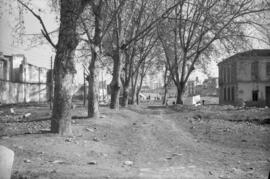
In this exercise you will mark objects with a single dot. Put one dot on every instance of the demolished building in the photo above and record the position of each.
(22, 82)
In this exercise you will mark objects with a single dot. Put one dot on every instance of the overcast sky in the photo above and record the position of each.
(40, 55)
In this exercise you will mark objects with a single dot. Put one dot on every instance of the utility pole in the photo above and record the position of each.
(84, 90)
(51, 85)
(103, 95)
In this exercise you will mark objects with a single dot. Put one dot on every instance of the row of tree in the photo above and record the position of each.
(133, 36)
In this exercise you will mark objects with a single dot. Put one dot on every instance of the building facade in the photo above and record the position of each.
(245, 78)
(21, 82)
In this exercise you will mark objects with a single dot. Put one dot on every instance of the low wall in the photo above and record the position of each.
(11, 92)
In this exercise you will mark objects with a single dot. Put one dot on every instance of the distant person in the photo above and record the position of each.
(203, 101)
(166, 103)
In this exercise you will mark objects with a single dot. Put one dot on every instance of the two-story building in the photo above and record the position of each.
(245, 78)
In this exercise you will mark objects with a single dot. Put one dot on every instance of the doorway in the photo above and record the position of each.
(267, 96)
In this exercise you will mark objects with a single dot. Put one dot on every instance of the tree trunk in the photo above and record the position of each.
(165, 94)
(93, 91)
(64, 66)
(138, 97)
(166, 82)
(139, 90)
(180, 93)
(125, 95)
(93, 108)
(134, 89)
(115, 83)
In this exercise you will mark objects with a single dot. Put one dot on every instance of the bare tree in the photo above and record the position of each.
(96, 23)
(64, 63)
(120, 42)
(196, 28)
(147, 52)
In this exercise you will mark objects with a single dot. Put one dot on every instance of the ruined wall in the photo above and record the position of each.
(11, 92)
(32, 74)
(22, 82)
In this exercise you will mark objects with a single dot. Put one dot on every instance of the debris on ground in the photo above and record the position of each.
(11, 110)
(89, 129)
(92, 163)
(26, 115)
(68, 139)
(128, 163)
(57, 162)
(27, 161)
(176, 154)
(95, 139)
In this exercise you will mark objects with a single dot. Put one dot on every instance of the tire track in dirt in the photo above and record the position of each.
(165, 149)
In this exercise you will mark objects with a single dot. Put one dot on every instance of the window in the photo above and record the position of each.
(2, 70)
(232, 93)
(224, 75)
(229, 94)
(268, 68)
(254, 71)
(225, 94)
(229, 74)
(255, 95)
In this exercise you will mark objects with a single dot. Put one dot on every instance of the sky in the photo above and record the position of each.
(39, 55)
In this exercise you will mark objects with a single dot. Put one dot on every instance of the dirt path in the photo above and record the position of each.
(160, 142)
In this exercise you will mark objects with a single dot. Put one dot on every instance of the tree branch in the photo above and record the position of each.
(44, 30)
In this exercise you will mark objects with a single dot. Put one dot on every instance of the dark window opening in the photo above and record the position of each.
(255, 95)
(225, 94)
(229, 94)
(268, 68)
(232, 93)
(255, 71)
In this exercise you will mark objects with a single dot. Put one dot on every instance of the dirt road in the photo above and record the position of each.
(145, 142)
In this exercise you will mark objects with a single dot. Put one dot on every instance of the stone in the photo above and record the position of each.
(6, 162)
(58, 162)
(92, 163)
(26, 115)
(27, 161)
(128, 163)
(89, 129)
(68, 140)
(197, 117)
(12, 111)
